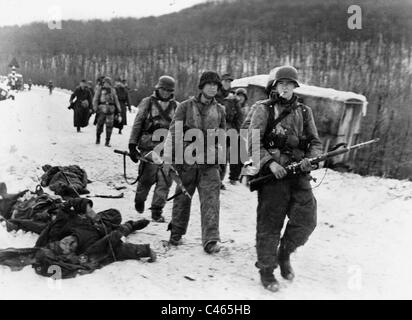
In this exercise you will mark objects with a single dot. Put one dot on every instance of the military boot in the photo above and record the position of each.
(139, 224)
(286, 269)
(98, 139)
(212, 247)
(157, 215)
(139, 206)
(175, 239)
(268, 280)
(107, 144)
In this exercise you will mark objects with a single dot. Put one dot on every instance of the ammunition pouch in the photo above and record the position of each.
(284, 142)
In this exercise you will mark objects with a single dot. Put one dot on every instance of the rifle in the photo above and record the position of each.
(153, 158)
(294, 168)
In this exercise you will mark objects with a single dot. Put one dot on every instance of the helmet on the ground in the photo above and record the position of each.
(209, 77)
(241, 91)
(167, 83)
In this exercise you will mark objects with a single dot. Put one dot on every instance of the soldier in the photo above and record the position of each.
(242, 97)
(90, 87)
(82, 106)
(50, 86)
(243, 109)
(105, 103)
(123, 96)
(202, 112)
(233, 121)
(155, 112)
(287, 133)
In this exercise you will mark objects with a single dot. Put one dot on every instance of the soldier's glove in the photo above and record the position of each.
(305, 165)
(278, 171)
(134, 154)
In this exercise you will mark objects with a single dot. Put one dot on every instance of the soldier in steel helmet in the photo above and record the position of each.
(105, 103)
(292, 138)
(155, 112)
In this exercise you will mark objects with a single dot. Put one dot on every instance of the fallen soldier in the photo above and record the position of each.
(8, 200)
(80, 241)
(68, 181)
(32, 214)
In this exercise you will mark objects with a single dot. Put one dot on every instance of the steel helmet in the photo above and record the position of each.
(242, 91)
(166, 82)
(279, 73)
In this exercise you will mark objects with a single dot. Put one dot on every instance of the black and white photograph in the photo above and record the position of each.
(206, 150)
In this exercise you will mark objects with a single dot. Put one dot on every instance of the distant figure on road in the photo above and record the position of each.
(105, 102)
(50, 86)
(81, 103)
(123, 96)
(30, 83)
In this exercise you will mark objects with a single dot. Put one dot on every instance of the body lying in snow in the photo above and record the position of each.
(79, 241)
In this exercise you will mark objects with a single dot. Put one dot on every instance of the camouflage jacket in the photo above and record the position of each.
(193, 114)
(150, 117)
(105, 96)
(234, 114)
(296, 123)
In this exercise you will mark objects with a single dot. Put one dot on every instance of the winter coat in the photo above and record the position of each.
(248, 117)
(193, 114)
(296, 123)
(234, 115)
(105, 100)
(150, 117)
(70, 221)
(123, 96)
(82, 106)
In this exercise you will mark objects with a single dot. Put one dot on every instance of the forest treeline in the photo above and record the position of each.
(245, 38)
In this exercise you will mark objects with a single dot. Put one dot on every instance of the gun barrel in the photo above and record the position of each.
(360, 145)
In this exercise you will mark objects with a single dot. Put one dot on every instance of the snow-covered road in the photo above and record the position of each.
(359, 250)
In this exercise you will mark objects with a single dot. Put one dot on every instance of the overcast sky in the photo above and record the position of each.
(25, 11)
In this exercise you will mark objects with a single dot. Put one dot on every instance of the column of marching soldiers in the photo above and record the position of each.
(287, 133)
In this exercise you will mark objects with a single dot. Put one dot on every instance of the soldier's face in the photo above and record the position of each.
(240, 98)
(82, 85)
(226, 84)
(285, 88)
(68, 244)
(90, 212)
(210, 90)
(165, 94)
